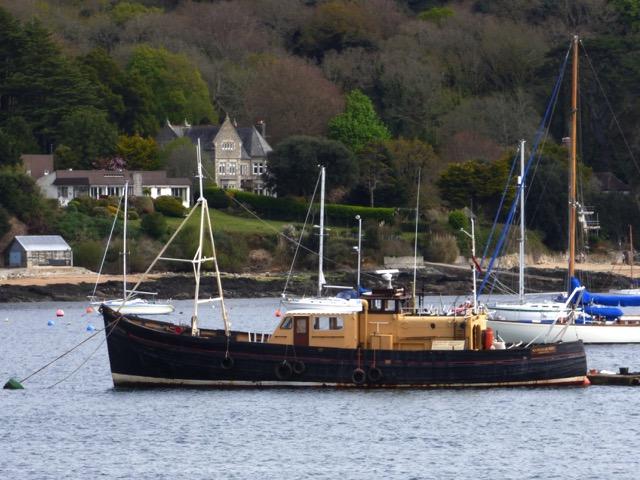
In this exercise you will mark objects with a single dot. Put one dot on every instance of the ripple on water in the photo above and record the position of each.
(83, 428)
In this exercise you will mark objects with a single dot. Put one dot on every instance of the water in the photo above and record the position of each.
(83, 429)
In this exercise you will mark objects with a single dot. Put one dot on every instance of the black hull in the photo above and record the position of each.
(151, 353)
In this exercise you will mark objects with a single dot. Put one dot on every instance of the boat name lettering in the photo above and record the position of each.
(543, 350)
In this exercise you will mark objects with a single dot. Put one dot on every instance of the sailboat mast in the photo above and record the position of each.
(124, 243)
(573, 161)
(321, 246)
(631, 253)
(415, 243)
(522, 229)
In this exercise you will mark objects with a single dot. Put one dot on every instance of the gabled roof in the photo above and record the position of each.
(253, 144)
(42, 242)
(37, 165)
(149, 178)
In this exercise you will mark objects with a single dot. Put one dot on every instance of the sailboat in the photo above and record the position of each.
(129, 304)
(384, 345)
(345, 301)
(592, 318)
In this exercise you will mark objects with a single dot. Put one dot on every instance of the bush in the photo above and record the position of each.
(216, 197)
(169, 206)
(88, 254)
(5, 226)
(442, 249)
(154, 225)
(142, 204)
(458, 220)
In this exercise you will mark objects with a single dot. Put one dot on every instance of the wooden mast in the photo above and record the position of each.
(572, 160)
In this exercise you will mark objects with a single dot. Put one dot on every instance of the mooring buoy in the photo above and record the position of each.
(13, 384)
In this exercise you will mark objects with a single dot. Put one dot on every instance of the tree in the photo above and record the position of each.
(293, 165)
(139, 153)
(88, 135)
(38, 83)
(359, 124)
(292, 97)
(375, 168)
(178, 90)
(20, 196)
(407, 158)
(125, 96)
(179, 158)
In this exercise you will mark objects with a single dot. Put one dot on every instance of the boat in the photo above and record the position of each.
(347, 299)
(623, 377)
(579, 315)
(131, 304)
(387, 343)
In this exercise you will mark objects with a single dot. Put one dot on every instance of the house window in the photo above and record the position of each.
(232, 169)
(63, 192)
(94, 192)
(244, 170)
(113, 191)
(227, 145)
(258, 168)
(222, 168)
(179, 192)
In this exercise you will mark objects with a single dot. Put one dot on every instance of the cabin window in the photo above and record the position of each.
(286, 324)
(328, 323)
(301, 325)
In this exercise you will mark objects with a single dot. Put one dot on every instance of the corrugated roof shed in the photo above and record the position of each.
(42, 242)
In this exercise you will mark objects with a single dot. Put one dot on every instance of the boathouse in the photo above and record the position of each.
(39, 251)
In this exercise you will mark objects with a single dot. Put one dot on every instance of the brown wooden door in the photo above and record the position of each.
(301, 331)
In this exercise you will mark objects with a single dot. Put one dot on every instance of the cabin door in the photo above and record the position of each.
(301, 331)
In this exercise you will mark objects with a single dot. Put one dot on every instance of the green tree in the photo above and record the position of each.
(122, 12)
(125, 96)
(89, 136)
(293, 165)
(20, 196)
(138, 152)
(375, 169)
(359, 124)
(38, 83)
(179, 92)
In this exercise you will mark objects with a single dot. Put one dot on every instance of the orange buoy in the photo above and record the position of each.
(59, 313)
(586, 382)
(487, 339)
(278, 314)
(89, 309)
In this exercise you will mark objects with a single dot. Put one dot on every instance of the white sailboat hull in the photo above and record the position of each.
(527, 331)
(333, 304)
(139, 307)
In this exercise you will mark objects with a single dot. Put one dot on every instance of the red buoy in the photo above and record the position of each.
(59, 313)
(89, 309)
(487, 338)
(278, 314)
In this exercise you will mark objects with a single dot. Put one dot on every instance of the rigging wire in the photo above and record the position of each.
(104, 255)
(540, 134)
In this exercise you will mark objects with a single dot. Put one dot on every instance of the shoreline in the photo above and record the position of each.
(74, 284)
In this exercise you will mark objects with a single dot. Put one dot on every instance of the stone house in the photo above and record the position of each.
(38, 251)
(234, 157)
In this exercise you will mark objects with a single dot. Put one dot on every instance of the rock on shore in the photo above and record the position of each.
(433, 279)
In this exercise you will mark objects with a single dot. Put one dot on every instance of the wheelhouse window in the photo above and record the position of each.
(383, 305)
(328, 323)
(286, 323)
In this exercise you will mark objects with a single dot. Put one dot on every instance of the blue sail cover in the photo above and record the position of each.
(607, 299)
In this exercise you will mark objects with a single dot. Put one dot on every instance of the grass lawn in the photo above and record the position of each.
(224, 222)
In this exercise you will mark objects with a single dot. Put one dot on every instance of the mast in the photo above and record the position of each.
(573, 161)
(321, 246)
(522, 229)
(415, 243)
(631, 253)
(124, 243)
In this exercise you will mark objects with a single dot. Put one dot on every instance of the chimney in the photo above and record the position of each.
(137, 184)
(263, 128)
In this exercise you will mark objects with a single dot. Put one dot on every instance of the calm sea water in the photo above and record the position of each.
(84, 429)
